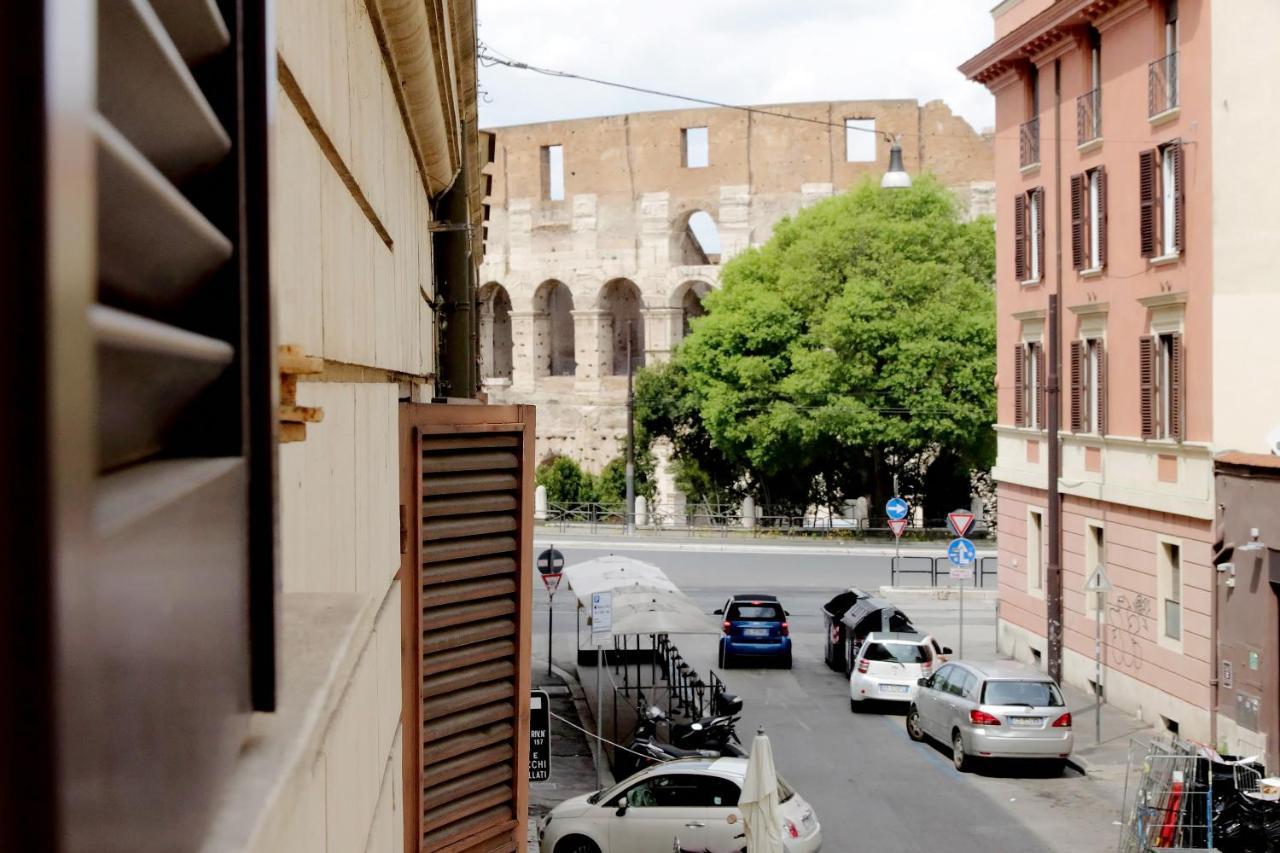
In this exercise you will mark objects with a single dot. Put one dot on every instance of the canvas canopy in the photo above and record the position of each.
(645, 601)
(614, 574)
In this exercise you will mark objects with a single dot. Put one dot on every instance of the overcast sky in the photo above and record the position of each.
(737, 51)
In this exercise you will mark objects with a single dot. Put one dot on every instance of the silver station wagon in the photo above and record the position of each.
(992, 710)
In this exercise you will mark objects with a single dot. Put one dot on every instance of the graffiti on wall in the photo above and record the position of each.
(1129, 624)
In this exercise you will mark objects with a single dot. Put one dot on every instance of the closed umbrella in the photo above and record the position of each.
(759, 801)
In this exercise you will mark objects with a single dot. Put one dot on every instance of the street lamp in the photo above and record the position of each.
(896, 178)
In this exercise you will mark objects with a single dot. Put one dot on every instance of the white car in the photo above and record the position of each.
(890, 664)
(693, 800)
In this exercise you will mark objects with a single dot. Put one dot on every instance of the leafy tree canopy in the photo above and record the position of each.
(858, 342)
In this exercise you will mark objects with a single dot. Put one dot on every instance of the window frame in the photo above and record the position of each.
(1170, 589)
(687, 146)
(1095, 554)
(1034, 557)
(1033, 236)
(1167, 198)
(854, 129)
(553, 178)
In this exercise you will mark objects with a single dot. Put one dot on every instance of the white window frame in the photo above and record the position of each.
(1164, 381)
(1094, 233)
(1170, 587)
(1033, 237)
(1092, 390)
(1035, 551)
(1168, 204)
(1031, 382)
(1095, 553)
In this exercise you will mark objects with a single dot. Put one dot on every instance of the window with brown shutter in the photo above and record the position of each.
(1101, 349)
(1148, 176)
(1101, 184)
(1020, 237)
(1078, 403)
(1038, 199)
(1175, 151)
(467, 474)
(1040, 388)
(1019, 385)
(1177, 387)
(1078, 191)
(1147, 357)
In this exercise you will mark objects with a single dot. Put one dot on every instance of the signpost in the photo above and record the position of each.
(601, 633)
(550, 562)
(1100, 586)
(896, 508)
(539, 736)
(961, 553)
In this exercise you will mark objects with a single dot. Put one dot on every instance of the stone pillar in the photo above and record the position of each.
(593, 337)
(486, 339)
(540, 503)
(860, 512)
(749, 512)
(669, 501)
(642, 511)
(530, 356)
(655, 231)
(735, 220)
(584, 229)
(520, 234)
(662, 331)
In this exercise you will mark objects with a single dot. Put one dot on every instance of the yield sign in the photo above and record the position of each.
(897, 525)
(960, 521)
(1098, 581)
(551, 581)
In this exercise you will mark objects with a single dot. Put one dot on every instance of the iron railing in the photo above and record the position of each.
(1029, 143)
(1162, 85)
(935, 567)
(1089, 117)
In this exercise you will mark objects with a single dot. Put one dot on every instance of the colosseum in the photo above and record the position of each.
(606, 233)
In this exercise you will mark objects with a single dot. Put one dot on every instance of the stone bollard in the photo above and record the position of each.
(540, 503)
(642, 511)
(860, 512)
(749, 513)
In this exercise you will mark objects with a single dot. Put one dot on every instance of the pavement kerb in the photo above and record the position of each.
(939, 593)
(542, 540)
(585, 717)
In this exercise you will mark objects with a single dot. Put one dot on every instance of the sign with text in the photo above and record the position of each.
(601, 618)
(960, 522)
(539, 736)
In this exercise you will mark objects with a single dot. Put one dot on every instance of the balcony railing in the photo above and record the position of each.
(1089, 117)
(1029, 143)
(1162, 85)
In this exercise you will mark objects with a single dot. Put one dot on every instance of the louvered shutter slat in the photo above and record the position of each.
(1147, 385)
(1040, 388)
(146, 90)
(1102, 386)
(1039, 202)
(1077, 221)
(1178, 153)
(1077, 385)
(196, 27)
(1147, 202)
(1177, 389)
(1102, 216)
(1020, 237)
(1019, 383)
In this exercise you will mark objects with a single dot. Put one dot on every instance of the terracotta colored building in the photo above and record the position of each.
(1116, 194)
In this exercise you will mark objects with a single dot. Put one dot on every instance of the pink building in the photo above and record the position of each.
(1108, 113)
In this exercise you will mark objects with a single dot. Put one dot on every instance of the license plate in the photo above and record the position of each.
(893, 688)
(1026, 722)
(755, 632)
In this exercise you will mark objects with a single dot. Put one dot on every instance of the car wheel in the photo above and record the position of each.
(1057, 767)
(576, 844)
(722, 657)
(786, 661)
(854, 706)
(959, 757)
(914, 730)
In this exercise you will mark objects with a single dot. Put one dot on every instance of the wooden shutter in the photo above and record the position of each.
(1038, 195)
(1078, 199)
(1179, 195)
(1101, 390)
(1041, 388)
(1147, 361)
(1078, 371)
(1177, 389)
(1147, 169)
(1019, 385)
(1101, 172)
(467, 474)
(1020, 237)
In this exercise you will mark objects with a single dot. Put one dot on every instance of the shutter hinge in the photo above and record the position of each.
(404, 532)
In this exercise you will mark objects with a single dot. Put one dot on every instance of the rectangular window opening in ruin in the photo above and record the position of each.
(695, 153)
(553, 172)
(860, 140)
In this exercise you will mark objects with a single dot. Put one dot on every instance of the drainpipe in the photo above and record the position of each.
(1053, 592)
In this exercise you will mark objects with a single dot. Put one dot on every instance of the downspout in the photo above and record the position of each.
(1053, 594)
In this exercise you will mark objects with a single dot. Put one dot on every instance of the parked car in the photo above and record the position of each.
(890, 664)
(992, 710)
(694, 800)
(755, 626)
(849, 618)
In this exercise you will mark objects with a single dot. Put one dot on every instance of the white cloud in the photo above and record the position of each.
(737, 51)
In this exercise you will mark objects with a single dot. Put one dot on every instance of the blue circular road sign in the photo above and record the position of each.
(961, 552)
(896, 508)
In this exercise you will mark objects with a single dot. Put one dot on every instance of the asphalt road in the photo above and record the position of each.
(872, 788)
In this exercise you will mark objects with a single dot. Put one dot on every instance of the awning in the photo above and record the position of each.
(616, 574)
(645, 601)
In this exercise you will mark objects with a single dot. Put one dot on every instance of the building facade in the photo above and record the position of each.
(1113, 198)
(609, 231)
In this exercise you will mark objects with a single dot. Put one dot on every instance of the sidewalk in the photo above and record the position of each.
(740, 542)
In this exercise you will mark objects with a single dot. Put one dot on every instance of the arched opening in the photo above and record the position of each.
(688, 298)
(495, 332)
(620, 300)
(553, 347)
(697, 240)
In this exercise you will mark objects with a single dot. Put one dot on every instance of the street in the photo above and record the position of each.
(872, 788)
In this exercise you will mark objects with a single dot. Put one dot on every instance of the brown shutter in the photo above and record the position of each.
(1102, 386)
(1019, 385)
(1020, 238)
(1102, 216)
(1147, 202)
(466, 597)
(1040, 388)
(1078, 191)
(1180, 195)
(1147, 346)
(1078, 353)
(1039, 200)
(1177, 390)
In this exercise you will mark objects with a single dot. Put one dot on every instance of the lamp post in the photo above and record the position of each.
(896, 178)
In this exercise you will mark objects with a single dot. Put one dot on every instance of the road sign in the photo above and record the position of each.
(551, 582)
(961, 552)
(550, 561)
(601, 618)
(896, 508)
(960, 522)
(897, 525)
(1098, 581)
(539, 736)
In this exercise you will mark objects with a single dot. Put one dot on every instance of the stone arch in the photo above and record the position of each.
(695, 239)
(553, 344)
(495, 332)
(688, 298)
(620, 304)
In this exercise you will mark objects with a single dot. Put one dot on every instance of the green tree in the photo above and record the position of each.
(565, 481)
(857, 341)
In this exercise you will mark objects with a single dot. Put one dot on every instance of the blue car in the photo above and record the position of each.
(755, 626)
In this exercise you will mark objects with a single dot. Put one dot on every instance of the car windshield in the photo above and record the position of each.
(761, 612)
(1039, 694)
(897, 652)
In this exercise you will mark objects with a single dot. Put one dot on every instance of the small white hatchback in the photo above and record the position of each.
(889, 665)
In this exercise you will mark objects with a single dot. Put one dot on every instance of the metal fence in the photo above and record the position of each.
(935, 567)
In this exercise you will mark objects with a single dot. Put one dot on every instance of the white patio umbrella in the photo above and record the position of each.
(759, 801)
